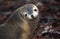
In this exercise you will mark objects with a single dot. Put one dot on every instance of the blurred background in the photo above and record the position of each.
(49, 16)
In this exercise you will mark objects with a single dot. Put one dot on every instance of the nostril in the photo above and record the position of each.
(32, 16)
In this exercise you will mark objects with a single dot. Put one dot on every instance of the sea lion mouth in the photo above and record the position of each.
(31, 17)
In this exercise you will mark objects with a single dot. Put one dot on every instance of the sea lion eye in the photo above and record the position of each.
(35, 9)
(25, 14)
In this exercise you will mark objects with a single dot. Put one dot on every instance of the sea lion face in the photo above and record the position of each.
(31, 12)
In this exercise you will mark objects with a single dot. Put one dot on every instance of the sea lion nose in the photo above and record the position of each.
(32, 16)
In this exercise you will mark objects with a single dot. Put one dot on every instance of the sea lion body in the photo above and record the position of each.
(17, 27)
